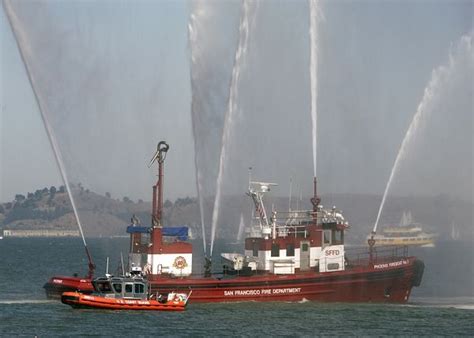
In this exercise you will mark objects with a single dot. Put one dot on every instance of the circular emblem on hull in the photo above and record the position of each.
(180, 262)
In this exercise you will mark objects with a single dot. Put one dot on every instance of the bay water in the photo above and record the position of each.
(442, 305)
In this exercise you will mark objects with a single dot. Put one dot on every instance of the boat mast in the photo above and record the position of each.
(157, 207)
(315, 200)
(371, 242)
(157, 202)
(289, 197)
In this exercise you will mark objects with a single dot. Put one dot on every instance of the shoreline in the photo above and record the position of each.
(39, 233)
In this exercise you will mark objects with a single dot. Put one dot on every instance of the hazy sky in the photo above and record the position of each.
(115, 77)
(111, 74)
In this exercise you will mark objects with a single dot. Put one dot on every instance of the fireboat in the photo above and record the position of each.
(289, 256)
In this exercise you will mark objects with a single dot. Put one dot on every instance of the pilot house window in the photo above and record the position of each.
(128, 288)
(290, 250)
(327, 237)
(255, 250)
(275, 250)
(104, 287)
(338, 237)
(117, 287)
(139, 288)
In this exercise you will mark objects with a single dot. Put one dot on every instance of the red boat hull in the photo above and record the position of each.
(79, 300)
(389, 282)
(378, 283)
(57, 285)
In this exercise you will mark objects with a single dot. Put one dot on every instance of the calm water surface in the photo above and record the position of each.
(443, 305)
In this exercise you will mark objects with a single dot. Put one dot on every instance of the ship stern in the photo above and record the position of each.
(418, 270)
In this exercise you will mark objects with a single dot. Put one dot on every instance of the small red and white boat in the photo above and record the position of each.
(125, 293)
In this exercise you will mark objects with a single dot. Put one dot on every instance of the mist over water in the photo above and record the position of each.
(212, 25)
(272, 131)
(106, 91)
(106, 96)
(266, 109)
(247, 13)
(240, 233)
(193, 38)
(25, 51)
(163, 71)
(444, 79)
(313, 32)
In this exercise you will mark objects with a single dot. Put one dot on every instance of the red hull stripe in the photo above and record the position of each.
(244, 282)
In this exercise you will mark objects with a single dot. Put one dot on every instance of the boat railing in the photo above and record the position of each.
(357, 257)
(292, 230)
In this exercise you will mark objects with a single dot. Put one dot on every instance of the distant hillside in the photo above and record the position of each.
(105, 216)
(100, 215)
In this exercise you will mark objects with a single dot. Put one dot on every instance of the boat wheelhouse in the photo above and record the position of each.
(130, 286)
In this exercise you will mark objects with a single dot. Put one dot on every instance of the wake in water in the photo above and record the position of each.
(439, 79)
(464, 303)
(28, 301)
(248, 12)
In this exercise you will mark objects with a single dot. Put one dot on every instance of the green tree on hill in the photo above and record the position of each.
(19, 198)
(38, 194)
(182, 202)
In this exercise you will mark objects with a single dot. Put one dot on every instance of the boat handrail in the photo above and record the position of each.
(360, 256)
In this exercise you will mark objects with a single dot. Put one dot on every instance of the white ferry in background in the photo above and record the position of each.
(406, 233)
(455, 235)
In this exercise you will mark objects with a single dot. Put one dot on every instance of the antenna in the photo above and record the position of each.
(250, 176)
(121, 261)
(289, 198)
(298, 200)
